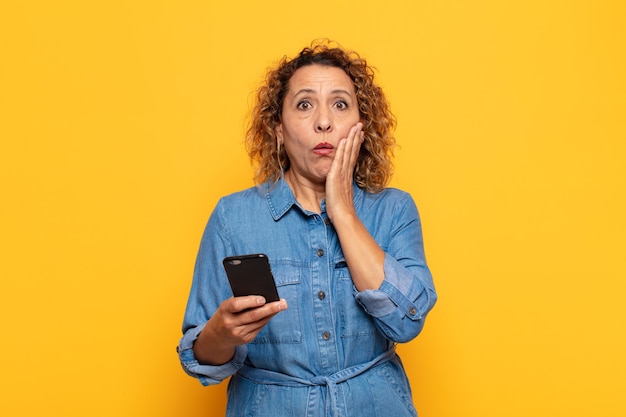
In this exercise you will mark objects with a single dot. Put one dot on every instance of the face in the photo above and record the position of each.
(319, 109)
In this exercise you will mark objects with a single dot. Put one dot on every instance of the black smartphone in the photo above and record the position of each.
(251, 275)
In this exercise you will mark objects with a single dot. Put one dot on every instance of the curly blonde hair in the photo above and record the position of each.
(374, 166)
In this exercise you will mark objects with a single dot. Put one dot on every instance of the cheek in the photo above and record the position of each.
(295, 135)
(349, 122)
(289, 148)
(344, 130)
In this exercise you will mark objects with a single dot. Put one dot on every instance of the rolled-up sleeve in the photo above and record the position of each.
(209, 288)
(207, 374)
(400, 305)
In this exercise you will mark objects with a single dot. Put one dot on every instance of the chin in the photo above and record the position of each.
(323, 173)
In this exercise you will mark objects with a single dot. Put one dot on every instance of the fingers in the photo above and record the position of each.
(348, 149)
(252, 308)
(238, 304)
(357, 140)
(263, 313)
(239, 319)
(339, 179)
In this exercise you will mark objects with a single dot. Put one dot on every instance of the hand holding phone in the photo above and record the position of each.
(251, 275)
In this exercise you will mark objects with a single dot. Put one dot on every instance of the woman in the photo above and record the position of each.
(346, 254)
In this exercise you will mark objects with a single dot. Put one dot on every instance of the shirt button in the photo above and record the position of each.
(326, 335)
(321, 295)
(320, 252)
(327, 221)
(412, 311)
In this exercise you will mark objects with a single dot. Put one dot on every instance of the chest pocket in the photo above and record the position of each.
(353, 320)
(286, 326)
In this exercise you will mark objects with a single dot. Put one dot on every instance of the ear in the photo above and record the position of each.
(279, 132)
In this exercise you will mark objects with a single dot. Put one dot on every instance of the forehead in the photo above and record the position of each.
(318, 77)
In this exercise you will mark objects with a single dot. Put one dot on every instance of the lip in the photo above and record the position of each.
(323, 148)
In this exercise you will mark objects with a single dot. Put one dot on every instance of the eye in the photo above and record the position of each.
(341, 105)
(303, 105)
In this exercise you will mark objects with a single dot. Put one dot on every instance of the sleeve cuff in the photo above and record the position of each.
(393, 293)
(207, 374)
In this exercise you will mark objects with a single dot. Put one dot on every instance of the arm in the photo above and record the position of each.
(217, 326)
(400, 305)
(395, 287)
(364, 257)
(236, 322)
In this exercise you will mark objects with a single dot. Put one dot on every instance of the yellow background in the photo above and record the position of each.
(121, 123)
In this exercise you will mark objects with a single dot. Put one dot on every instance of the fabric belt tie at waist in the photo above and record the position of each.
(264, 376)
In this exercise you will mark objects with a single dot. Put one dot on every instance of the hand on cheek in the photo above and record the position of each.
(339, 179)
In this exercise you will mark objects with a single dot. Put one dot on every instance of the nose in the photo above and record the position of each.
(324, 122)
(323, 127)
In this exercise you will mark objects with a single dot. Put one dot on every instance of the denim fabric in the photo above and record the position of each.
(332, 341)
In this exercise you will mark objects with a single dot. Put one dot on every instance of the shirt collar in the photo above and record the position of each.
(280, 198)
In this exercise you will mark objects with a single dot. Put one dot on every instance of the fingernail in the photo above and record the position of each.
(260, 300)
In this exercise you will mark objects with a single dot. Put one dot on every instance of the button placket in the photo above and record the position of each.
(319, 241)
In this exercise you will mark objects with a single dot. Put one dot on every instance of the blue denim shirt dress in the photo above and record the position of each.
(332, 352)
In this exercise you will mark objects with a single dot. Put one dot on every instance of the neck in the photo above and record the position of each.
(309, 195)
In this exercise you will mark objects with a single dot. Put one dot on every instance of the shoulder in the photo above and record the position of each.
(236, 204)
(239, 198)
(387, 196)
(390, 202)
